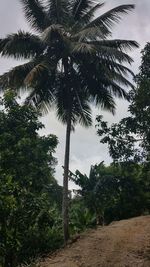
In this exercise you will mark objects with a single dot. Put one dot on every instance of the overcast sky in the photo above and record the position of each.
(85, 146)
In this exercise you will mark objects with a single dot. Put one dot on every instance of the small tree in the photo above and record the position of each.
(111, 192)
(130, 138)
(97, 190)
(26, 174)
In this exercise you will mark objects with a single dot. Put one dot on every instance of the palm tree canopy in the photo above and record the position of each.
(71, 58)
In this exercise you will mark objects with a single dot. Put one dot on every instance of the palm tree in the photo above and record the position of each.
(72, 62)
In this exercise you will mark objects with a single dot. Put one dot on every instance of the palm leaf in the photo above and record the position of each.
(83, 49)
(41, 71)
(84, 113)
(120, 79)
(112, 65)
(117, 43)
(85, 117)
(91, 13)
(117, 91)
(21, 45)
(35, 74)
(86, 18)
(104, 99)
(107, 20)
(15, 77)
(97, 86)
(41, 98)
(53, 33)
(58, 11)
(105, 57)
(80, 7)
(36, 14)
(112, 81)
(90, 34)
(43, 93)
(114, 54)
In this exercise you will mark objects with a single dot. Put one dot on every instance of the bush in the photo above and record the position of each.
(29, 213)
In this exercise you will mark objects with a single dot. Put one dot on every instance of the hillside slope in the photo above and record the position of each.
(122, 244)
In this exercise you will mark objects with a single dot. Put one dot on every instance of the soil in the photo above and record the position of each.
(121, 244)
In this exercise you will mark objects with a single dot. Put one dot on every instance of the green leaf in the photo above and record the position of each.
(21, 45)
(36, 14)
(108, 19)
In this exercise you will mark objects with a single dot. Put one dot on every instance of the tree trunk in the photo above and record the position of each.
(65, 181)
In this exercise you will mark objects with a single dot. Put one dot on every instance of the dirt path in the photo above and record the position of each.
(121, 244)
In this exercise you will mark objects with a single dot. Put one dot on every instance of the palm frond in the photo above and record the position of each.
(112, 82)
(117, 90)
(120, 79)
(91, 13)
(15, 77)
(80, 110)
(63, 101)
(35, 74)
(80, 8)
(111, 17)
(58, 11)
(117, 43)
(21, 45)
(43, 92)
(83, 49)
(36, 14)
(112, 65)
(92, 34)
(97, 86)
(114, 54)
(104, 99)
(117, 73)
(53, 33)
(41, 98)
(87, 17)
(84, 113)
(41, 71)
(112, 50)
(105, 22)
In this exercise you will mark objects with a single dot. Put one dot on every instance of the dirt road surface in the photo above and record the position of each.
(122, 244)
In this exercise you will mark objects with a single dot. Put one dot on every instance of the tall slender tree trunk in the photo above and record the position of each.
(65, 181)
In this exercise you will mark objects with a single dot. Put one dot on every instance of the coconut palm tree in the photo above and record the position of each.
(71, 62)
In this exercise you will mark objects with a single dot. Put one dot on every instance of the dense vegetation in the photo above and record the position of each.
(29, 195)
(115, 192)
(30, 198)
(72, 64)
(129, 140)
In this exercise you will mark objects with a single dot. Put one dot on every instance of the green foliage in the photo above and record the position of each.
(129, 143)
(115, 192)
(140, 105)
(121, 139)
(81, 217)
(130, 138)
(29, 215)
